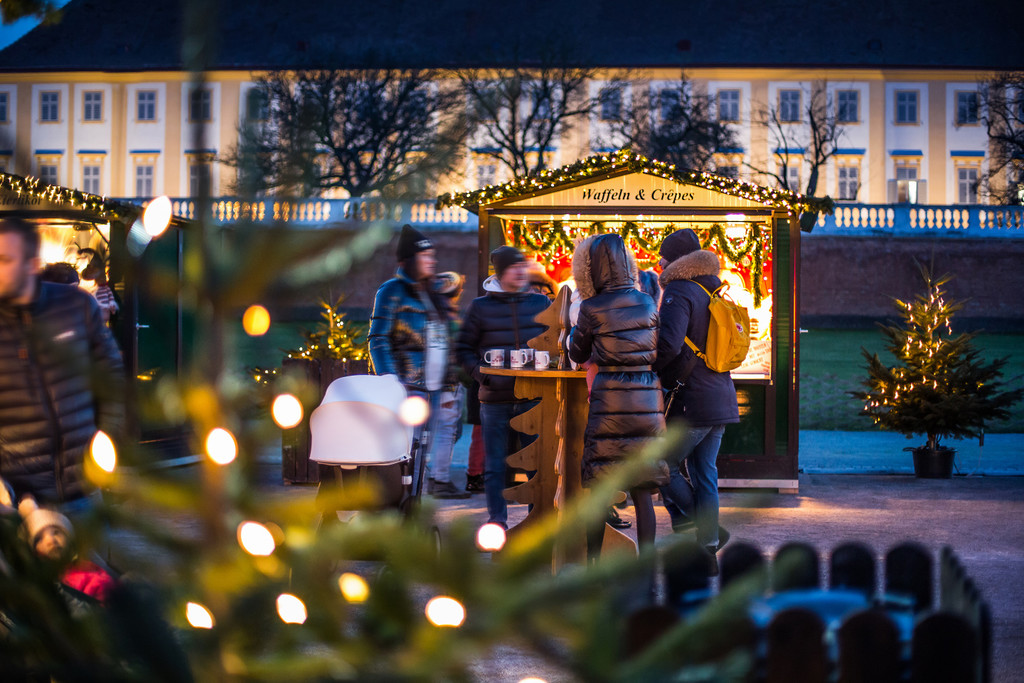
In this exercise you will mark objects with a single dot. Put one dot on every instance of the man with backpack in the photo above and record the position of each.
(703, 397)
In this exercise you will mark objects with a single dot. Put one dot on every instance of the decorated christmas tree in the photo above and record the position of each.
(333, 338)
(940, 386)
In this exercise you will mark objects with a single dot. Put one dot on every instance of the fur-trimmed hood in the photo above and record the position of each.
(607, 257)
(694, 264)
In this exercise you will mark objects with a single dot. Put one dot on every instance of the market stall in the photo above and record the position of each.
(754, 230)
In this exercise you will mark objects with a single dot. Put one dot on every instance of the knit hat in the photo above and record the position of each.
(679, 244)
(411, 242)
(36, 519)
(503, 257)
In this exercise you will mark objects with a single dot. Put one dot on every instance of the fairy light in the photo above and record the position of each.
(256, 320)
(353, 587)
(291, 609)
(490, 537)
(287, 411)
(221, 446)
(102, 452)
(256, 539)
(445, 611)
(198, 616)
(414, 411)
(157, 216)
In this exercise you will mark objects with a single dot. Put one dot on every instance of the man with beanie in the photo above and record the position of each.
(501, 319)
(409, 333)
(705, 399)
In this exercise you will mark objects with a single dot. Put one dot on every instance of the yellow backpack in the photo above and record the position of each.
(728, 333)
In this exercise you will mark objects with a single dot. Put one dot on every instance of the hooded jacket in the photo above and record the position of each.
(61, 378)
(497, 320)
(617, 329)
(707, 398)
(398, 328)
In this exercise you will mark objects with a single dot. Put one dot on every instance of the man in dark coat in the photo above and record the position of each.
(61, 376)
(705, 399)
(617, 329)
(501, 319)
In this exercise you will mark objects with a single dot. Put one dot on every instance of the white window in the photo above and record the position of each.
(668, 103)
(48, 173)
(789, 105)
(906, 184)
(847, 106)
(144, 181)
(92, 109)
(198, 178)
(793, 176)
(485, 174)
(967, 185)
(4, 105)
(611, 104)
(91, 179)
(199, 108)
(145, 105)
(966, 108)
(257, 106)
(49, 106)
(906, 106)
(849, 182)
(729, 105)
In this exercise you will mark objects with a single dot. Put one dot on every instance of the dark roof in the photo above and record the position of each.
(143, 35)
(623, 161)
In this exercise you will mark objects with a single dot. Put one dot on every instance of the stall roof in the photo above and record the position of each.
(601, 166)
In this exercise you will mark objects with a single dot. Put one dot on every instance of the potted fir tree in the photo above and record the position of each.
(940, 387)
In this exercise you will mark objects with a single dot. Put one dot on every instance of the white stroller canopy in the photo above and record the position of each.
(357, 423)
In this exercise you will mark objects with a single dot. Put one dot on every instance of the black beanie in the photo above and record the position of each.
(679, 244)
(411, 242)
(503, 257)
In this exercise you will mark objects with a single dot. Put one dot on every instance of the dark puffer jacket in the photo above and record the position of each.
(397, 336)
(708, 397)
(61, 377)
(497, 320)
(617, 329)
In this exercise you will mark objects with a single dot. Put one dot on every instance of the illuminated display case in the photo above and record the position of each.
(753, 229)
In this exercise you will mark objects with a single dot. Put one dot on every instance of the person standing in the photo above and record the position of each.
(61, 376)
(617, 331)
(501, 319)
(408, 334)
(704, 399)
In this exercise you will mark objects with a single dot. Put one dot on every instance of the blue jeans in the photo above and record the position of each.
(499, 441)
(699, 451)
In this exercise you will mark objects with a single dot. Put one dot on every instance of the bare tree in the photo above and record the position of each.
(384, 131)
(672, 124)
(516, 113)
(1001, 103)
(815, 129)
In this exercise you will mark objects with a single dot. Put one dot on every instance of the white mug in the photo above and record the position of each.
(541, 360)
(495, 357)
(517, 358)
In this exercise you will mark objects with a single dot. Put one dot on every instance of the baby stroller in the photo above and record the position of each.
(357, 429)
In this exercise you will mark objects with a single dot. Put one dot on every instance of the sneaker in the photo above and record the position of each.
(616, 522)
(445, 490)
(475, 483)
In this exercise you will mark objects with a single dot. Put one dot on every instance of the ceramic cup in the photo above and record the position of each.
(517, 358)
(541, 360)
(495, 357)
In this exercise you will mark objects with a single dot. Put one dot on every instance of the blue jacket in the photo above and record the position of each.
(708, 398)
(397, 336)
(61, 378)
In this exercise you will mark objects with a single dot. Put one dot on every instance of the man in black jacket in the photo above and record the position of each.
(61, 375)
(501, 319)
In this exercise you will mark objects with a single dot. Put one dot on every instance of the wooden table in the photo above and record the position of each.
(559, 421)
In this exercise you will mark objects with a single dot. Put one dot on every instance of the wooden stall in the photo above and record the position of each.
(754, 230)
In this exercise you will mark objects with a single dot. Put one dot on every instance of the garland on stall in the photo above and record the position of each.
(624, 160)
(30, 190)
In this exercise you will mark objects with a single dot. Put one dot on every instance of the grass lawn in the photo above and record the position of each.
(831, 365)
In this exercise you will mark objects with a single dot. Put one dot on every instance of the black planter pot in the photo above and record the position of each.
(933, 463)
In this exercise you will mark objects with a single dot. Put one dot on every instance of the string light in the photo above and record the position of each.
(102, 451)
(291, 609)
(256, 539)
(445, 611)
(198, 615)
(353, 587)
(221, 446)
(287, 411)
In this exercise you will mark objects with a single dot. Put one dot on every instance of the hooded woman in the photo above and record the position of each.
(617, 330)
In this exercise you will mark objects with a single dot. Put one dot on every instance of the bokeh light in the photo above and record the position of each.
(221, 446)
(353, 587)
(157, 216)
(445, 611)
(291, 609)
(414, 411)
(103, 452)
(198, 616)
(256, 320)
(532, 679)
(256, 539)
(287, 411)
(490, 537)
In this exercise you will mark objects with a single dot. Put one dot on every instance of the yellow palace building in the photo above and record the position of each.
(101, 101)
